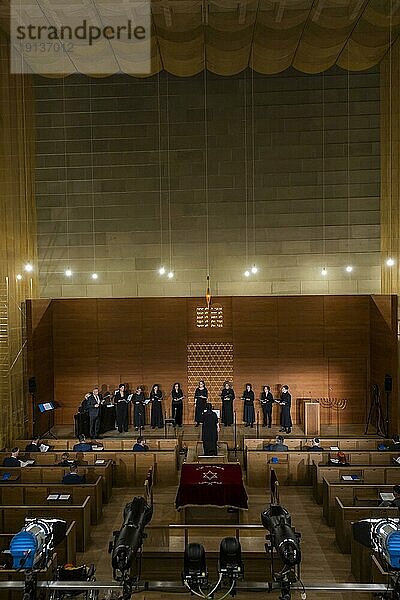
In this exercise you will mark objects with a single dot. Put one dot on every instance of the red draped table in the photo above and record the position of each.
(211, 485)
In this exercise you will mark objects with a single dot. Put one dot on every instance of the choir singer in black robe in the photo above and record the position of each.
(248, 412)
(209, 433)
(157, 418)
(201, 397)
(139, 414)
(267, 400)
(227, 397)
(286, 403)
(121, 408)
(177, 404)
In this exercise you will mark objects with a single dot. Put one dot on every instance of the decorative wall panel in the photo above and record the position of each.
(214, 364)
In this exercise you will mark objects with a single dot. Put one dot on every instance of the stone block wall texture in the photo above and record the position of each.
(105, 201)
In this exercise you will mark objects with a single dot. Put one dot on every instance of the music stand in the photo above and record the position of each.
(169, 421)
(47, 407)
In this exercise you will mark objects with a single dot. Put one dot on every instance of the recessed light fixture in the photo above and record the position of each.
(68, 273)
(28, 268)
(247, 273)
(19, 277)
(94, 276)
(390, 261)
(349, 269)
(161, 271)
(254, 269)
(324, 271)
(170, 274)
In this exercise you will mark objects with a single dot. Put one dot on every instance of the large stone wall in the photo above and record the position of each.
(289, 209)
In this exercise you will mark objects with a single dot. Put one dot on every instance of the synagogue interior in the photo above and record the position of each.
(199, 315)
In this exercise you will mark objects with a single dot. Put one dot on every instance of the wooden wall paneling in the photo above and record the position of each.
(384, 352)
(75, 348)
(319, 346)
(255, 339)
(164, 346)
(39, 326)
(346, 326)
(120, 339)
(348, 379)
(300, 325)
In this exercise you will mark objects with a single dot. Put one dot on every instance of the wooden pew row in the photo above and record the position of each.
(300, 443)
(296, 468)
(66, 549)
(36, 493)
(12, 518)
(352, 493)
(361, 562)
(129, 468)
(382, 474)
(345, 515)
(108, 444)
(53, 474)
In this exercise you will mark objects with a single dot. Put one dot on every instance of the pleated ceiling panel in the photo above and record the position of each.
(228, 36)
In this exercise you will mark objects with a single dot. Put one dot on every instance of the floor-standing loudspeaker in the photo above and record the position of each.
(32, 385)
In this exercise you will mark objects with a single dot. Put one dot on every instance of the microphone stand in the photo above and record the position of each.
(235, 433)
(258, 424)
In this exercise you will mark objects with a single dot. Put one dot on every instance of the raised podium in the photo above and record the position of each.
(310, 416)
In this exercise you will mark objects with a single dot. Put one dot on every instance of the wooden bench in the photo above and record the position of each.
(36, 493)
(362, 562)
(12, 518)
(54, 474)
(345, 515)
(296, 468)
(66, 549)
(367, 473)
(301, 443)
(128, 468)
(67, 444)
(352, 492)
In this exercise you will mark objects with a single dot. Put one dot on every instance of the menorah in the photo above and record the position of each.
(336, 404)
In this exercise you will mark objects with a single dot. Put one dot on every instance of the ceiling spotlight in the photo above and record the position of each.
(349, 269)
(390, 262)
(324, 271)
(28, 267)
(19, 277)
(254, 269)
(94, 276)
(170, 274)
(68, 273)
(247, 273)
(161, 271)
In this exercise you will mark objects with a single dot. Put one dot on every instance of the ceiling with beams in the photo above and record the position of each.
(228, 36)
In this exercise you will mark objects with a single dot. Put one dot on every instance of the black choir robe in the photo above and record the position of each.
(209, 433)
(139, 413)
(286, 403)
(200, 397)
(121, 411)
(267, 401)
(157, 418)
(248, 412)
(227, 397)
(177, 406)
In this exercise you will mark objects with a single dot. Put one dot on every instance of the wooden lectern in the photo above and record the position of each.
(312, 419)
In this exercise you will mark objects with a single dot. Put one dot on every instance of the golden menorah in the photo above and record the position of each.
(333, 403)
